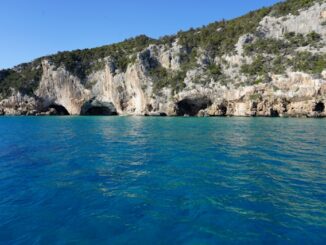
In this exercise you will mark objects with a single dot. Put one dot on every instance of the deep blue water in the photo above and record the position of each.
(137, 180)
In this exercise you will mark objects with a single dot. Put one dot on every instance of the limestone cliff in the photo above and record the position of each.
(278, 68)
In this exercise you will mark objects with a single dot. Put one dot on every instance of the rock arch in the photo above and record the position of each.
(56, 109)
(95, 107)
(191, 106)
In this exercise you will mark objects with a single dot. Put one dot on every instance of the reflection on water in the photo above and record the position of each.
(182, 180)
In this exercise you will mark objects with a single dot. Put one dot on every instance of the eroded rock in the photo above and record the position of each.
(191, 106)
(95, 107)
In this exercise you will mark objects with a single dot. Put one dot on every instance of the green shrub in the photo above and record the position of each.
(279, 64)
(254, 97)
(278, 46)
(257, 67)
(214, 70)
(163, 78)
(24, 78)
(309, 63)
(302, 61)
(313, 38)
(292, 7)
(83, 62)
(220, 37)
(266, 45)
(296, 39)
(258, 81)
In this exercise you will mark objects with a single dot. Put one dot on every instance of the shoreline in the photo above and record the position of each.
(148, 116)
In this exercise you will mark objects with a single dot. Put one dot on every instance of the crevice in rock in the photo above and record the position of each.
(191, 106)
(319, 107)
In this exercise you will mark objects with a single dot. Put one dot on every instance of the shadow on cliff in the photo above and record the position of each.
(95, 107)
(191, 106)
(58, 110)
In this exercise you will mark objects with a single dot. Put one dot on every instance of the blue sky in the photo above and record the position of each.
(34, 28)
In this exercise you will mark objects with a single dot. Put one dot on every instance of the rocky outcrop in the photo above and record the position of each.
(19, 104)
(58, 86)
(295, 94)
(305, 22)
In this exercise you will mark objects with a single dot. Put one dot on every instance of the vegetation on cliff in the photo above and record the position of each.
(82, 62)
(277, 55)
(164, 78)
(23, 78)
(216, 39)
(291, 7)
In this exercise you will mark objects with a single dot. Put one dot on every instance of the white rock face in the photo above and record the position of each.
(130, 91)
(307, 21)
(132, 94)
(58, 86)
(19, 104)
(169, 57)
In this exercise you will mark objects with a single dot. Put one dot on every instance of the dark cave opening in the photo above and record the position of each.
(191, 106)
(99, 111)
(319, 107)
(274, 113)
(223, 109)
(59, 110)
(96, 107)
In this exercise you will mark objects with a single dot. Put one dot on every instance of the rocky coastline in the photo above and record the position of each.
(215, 85)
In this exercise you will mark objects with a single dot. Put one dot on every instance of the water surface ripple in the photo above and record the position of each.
(136, 180)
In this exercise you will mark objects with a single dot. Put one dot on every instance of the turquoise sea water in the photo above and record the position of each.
(137, 180)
